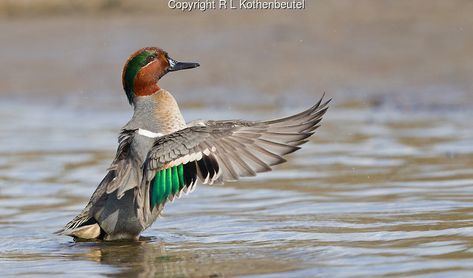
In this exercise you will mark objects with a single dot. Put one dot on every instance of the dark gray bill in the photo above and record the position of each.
(175, 65)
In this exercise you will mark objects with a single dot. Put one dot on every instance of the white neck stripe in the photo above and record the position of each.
(148, 133)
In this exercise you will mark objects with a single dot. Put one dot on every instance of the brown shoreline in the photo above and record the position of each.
(369, 49)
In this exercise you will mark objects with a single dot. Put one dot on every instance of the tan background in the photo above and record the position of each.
(401, 53)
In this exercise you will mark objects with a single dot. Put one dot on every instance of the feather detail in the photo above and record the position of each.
(217, 151)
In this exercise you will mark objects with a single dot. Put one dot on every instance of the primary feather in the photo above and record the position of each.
(220, 151)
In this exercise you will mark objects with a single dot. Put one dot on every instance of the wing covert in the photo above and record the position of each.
(219, 151)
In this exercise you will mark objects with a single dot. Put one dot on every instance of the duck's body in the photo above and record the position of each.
(159, 156)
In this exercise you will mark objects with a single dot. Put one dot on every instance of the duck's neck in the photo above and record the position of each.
(145, 87)
(157, 113)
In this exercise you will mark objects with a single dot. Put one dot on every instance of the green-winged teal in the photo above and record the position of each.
(159, 156)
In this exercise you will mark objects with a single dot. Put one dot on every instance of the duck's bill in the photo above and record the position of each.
(175, 65)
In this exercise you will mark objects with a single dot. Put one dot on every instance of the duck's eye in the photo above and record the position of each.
(150, 58)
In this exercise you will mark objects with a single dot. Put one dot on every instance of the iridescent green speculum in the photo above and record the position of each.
(166, 182)
(132, 68)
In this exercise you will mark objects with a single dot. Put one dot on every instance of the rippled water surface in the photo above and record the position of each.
(376, 192)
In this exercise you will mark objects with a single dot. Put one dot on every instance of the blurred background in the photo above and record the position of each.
(384, 188)
(405, 52)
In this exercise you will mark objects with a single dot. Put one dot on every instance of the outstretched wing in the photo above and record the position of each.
(219, 151)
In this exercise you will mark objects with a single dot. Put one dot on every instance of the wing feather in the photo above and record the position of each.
(219, 151)
(121, 176)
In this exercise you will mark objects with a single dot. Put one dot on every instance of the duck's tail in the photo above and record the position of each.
(82, 227)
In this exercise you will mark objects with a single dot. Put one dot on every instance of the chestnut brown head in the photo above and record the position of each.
(145, 67)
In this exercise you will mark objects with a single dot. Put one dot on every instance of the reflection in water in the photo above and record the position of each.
(384, 195)
(150, 258)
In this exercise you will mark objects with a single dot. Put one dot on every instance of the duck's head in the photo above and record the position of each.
(145, 67)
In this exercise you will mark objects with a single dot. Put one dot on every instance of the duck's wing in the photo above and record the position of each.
(219, 151)
(121, 175)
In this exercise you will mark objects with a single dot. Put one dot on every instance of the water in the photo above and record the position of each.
(376, 192)
(384, 188)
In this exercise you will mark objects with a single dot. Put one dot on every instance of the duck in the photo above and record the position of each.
(160, 157)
